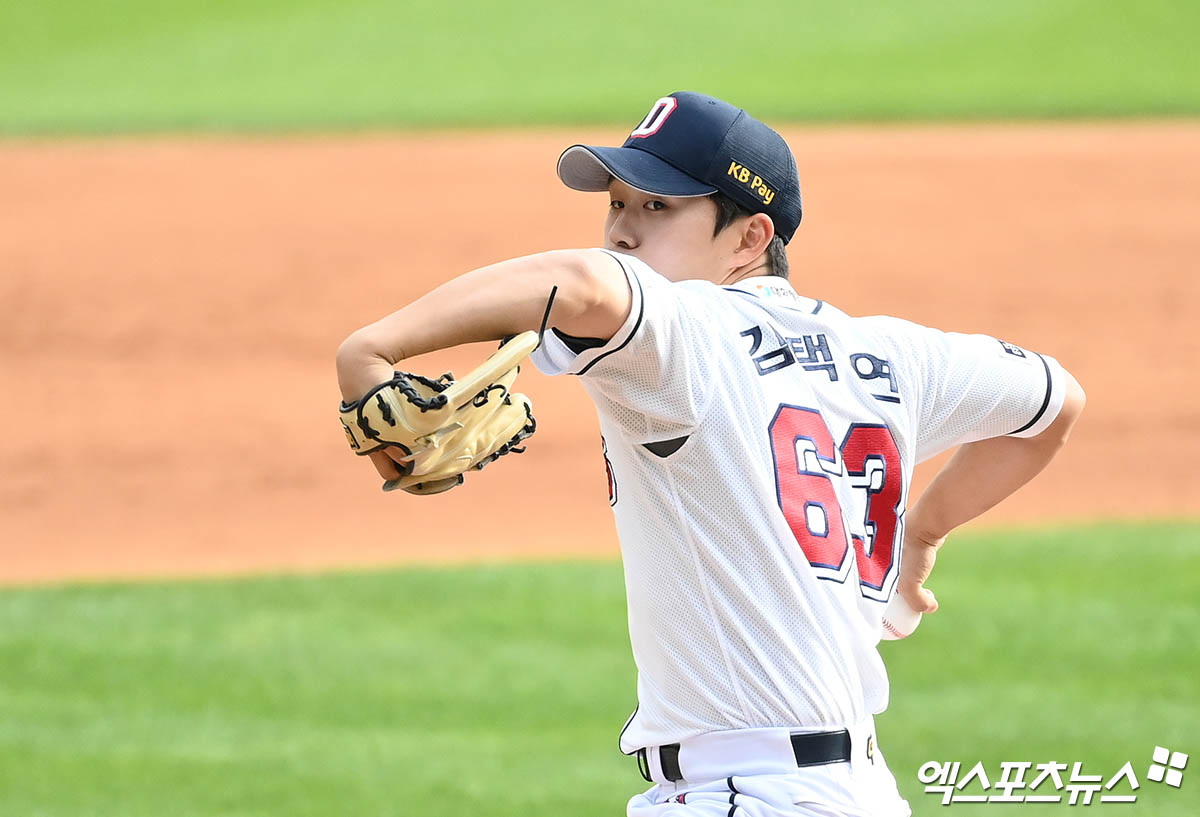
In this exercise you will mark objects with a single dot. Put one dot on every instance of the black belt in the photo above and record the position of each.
(809, 748)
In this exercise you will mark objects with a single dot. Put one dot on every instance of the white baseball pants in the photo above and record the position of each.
(772, 785)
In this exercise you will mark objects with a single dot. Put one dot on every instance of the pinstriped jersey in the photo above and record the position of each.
(760, 447)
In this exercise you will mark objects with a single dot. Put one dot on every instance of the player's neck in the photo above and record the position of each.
(755, 268)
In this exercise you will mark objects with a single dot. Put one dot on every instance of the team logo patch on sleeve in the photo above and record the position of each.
(1015, 351)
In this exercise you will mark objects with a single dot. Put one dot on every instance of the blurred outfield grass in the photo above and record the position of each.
(500, 690)
(82, 66)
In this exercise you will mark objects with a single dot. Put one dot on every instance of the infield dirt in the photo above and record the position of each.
(171, 308)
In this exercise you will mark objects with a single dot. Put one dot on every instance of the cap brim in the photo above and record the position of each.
(589, 168)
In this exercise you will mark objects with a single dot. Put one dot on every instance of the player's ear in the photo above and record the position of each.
(755, 234)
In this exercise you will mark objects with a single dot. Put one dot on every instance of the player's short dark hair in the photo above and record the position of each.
(727, 211)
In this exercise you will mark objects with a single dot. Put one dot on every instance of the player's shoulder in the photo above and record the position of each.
(889, 328)
(934, 352)
(645, 279)
(912, 336)
(903, 341)
(888, 324)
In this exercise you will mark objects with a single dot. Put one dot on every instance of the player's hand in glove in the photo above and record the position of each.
(434, 430)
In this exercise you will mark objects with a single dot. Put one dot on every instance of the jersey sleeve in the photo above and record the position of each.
(965, 388)
(651, 377)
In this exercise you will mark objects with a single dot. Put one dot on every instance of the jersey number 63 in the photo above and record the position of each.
(810, 504)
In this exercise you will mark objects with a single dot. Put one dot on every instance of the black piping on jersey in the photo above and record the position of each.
(621, 736)
(815, 310)
(665, 448)
(733, 793)
(637, 325)
(1045, 400)
(546, 314)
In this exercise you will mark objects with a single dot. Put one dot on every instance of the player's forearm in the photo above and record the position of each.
(983, 473)
(488, 304)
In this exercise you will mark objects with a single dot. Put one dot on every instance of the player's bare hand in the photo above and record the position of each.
(916, 564)
(385, 464)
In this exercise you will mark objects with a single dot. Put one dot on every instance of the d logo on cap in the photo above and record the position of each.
(656, 118)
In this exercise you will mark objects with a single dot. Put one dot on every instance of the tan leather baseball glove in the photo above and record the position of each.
(445, 426)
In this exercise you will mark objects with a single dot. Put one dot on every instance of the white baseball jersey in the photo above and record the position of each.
(760, 448)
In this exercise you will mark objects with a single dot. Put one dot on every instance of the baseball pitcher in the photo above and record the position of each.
(760, 446)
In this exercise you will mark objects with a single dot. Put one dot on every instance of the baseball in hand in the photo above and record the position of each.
(899, 619)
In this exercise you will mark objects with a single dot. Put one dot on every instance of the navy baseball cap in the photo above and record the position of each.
(690, 144)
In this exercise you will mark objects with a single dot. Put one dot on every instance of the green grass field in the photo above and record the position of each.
(499, 690)
(69, 66)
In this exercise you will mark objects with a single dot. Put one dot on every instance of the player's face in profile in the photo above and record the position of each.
(673, 235)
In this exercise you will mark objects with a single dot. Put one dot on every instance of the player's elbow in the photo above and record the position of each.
(349, 350)
(355, 349)
(1074, 399)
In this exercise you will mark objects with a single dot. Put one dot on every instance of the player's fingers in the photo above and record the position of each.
(395, 454)
(919, 598)
(384, 464)
(916, 564)
(931, 602)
